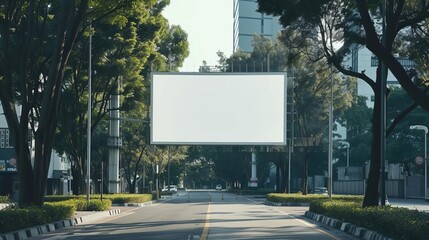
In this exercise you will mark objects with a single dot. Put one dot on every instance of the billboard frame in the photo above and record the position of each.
(244, 143)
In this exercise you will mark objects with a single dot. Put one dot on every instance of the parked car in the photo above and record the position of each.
(321, 190)
(218, 187)
(173, 188)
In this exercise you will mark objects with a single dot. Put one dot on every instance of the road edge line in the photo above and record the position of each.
(206, 229)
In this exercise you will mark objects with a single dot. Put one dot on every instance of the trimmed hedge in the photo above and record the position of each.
(129, 198)
(115, 198)
(398, 223)
(82, 205)
(256, 191)
(299, 198)
(12, 219)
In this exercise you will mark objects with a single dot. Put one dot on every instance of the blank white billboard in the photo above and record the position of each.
(218, 109)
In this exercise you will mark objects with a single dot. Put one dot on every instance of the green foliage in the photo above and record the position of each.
(4, 199)
(98, 205)
(259, 191)
(80, 204)
(400, 223)
(129, 198)
(114, 198)
(299, 198)
(343, 26)
(18, 218)
(59, 198)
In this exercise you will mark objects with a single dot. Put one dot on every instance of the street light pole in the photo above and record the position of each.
(330, 134)
(88, 148)
(425, 129)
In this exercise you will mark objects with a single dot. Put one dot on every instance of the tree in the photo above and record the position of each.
(37, 39)
(311, 90)
(163, 156)
(123, 44)
(403, 143)
(134, 151)
(351, 24)
(357, 120)
(312, 101)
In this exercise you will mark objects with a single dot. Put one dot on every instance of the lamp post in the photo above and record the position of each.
(330, 134)
(347, 156)
(88, 147)
(425, 129)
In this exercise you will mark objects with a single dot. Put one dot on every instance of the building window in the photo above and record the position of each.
(2, 138)
(406, 63)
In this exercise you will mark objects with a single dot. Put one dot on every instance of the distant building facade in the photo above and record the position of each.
(247, 22)
(59, 179)
(363, 60)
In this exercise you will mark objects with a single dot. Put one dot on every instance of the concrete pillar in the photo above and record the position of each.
(114, 142)
(253, 180)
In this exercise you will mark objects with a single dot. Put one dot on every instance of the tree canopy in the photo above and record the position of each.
(345, 25)
(44, 52)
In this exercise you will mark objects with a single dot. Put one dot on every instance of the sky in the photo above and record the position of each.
(209, 27)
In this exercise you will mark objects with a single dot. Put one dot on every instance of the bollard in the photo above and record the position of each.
(222, 196)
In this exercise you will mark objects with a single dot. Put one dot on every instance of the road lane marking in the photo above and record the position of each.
(302, 221)
(309, 224)
(206, 224)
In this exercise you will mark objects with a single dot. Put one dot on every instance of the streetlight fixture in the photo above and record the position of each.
(425, 129)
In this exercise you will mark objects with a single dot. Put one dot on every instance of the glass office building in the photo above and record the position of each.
(247, 22)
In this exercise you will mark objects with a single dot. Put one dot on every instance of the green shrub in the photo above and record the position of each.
(257, 191)
(115, 198)
(398, 223)
(59, 211)
(59, 198)
(81, 204)
(4, 199)
(12, 219)
(98, 205)
(299, 198)
(129, 198)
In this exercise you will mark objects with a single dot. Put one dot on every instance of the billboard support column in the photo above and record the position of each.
(114, 142)
(253, 180)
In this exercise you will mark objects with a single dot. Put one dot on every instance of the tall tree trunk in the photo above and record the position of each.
(278, 181)
(371, 192)
(77, 184)
(305, 174)
(43, 151)
(27, 194)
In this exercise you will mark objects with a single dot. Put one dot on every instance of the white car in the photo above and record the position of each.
(173, 188)
(218, 187)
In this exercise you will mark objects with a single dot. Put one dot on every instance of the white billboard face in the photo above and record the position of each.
(224, 109)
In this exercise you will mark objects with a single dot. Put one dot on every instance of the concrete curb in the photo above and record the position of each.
(50, 227)
(351, 229)
(145, 204)
(291, 204)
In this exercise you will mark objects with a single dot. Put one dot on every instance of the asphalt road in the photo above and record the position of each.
(203, 215)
